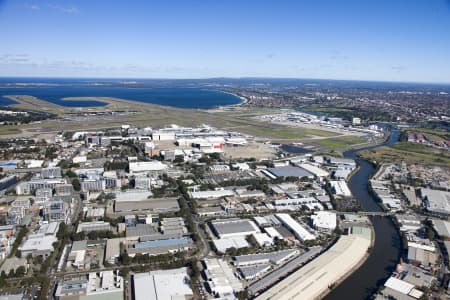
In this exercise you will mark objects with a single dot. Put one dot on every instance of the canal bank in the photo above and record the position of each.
(386, 251)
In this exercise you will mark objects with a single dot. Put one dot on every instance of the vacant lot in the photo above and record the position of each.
(410, 153)
(433, 134)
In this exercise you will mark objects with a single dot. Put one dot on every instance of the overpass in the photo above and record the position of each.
(366, 213)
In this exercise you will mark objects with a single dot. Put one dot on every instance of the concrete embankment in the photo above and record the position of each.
(317, 277)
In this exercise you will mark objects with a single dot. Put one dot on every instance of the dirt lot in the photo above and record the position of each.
(253, 149)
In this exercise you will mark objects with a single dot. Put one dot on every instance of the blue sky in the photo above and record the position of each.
(396, 40)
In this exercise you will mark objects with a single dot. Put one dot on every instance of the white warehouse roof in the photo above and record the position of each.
(263, 239)
(318, 172)
(146, 166)
(340, 188)
(301, 233)
(162, 285)
(238, 242)
(211, 194)
(273, 233)
(324, 220)
(399, 285)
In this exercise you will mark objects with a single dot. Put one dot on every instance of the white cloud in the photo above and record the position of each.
(14, 58)
(65, 9)
(399, 68)
(33, 6)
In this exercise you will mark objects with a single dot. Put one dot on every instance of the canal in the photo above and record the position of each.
(386, 251)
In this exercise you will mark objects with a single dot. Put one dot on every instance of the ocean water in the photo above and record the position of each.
(183, 97)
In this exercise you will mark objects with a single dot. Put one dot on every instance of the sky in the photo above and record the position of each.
(393, 40)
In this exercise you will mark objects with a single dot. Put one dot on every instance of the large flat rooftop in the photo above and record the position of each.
(272, 257)
(164, 284)
(234, 227)
(289, 171)
(147, 205)
(436, 201)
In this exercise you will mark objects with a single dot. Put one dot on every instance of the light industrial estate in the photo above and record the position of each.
(167, 212)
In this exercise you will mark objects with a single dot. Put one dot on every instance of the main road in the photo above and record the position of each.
(386, 251)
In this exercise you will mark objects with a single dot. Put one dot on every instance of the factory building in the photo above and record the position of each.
(93, 226)
(7, 182)
(324, 221)
(229, 228)
(54, 172)
(316, 171)
(340, 188)
(93, 185)
(287, 171)
(162, 284)
(211, 194)
(298, 230)
(140, 167)
(436, 201)
(220, 278)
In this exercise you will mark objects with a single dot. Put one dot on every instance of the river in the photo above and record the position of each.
(386, 251)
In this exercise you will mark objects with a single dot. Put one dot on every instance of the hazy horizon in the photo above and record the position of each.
(225, 78)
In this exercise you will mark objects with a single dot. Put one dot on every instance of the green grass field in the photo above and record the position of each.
(341, 143)
(283, 132)
(8, 129)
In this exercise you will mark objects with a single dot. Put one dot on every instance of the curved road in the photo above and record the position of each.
(387, 248)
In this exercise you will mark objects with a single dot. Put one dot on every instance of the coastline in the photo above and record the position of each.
(243, 100)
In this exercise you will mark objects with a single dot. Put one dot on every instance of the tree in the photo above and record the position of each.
(78, 236)
(46, 264)
(232, 251)
(45, 284)
(76, 184)
(22, 233)
(430, 233)
(242, 295)
(3, 282)
(125, 259)
(178, 159)
(125, 187)
(38, 260)
(125, 272)
(71, 174)
(93, 235)
(20, 271)
(50, 152)
(194, 270)
(252, 240)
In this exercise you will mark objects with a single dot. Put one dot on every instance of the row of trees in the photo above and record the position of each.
(30, 116)
(20, 236)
